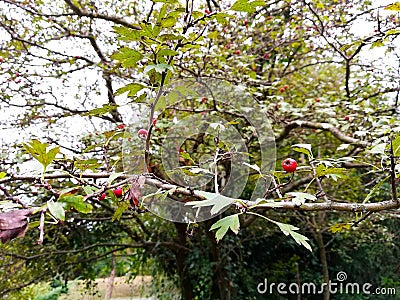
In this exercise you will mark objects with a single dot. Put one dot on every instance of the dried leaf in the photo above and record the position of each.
(13, 224)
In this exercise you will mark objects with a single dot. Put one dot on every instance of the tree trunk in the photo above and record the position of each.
(322, 255)
(222, 276)
(181, 261)
(110, 282)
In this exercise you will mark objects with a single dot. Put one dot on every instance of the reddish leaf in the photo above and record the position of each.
(13, 224)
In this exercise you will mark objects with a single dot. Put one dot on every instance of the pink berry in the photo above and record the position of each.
(142, 133)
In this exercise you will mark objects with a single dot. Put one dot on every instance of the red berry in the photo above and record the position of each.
(154, 122)
(102, 197)
(282, 89)
(118, 192)
(347, 118)
(289, 165)
(285, 87)
(266, 56)
(237, 52)
(207, 12)
(317, 100)
(1, 59)
(121, 126)
(142, 133)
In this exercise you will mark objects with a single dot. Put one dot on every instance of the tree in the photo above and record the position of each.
(327, 104)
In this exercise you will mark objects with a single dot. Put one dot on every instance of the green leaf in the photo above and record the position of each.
(132, 89)
(247, 6)
(127, 57)
(167, 52)
(168, 22)
(224, 224)
(396, 145)
(394, 6)
(288, 229)
(56, 209)
(217, 201)
(127, 34)
(186, 155)
(159, 68)
(339, 227)
(106, 108)
(378, 149)
(77, 202)
(301, 198)
(323, 170)
(304, 148)
(122, 206)
(222, 18)
(392, 32)
(39, 151)
(3, 174)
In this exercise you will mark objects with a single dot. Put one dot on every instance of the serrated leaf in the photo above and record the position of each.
(39, 151)
(127, 34)
(56, 209)
(106, 108)
(396, 145)
(122, 206)
(304, 148)
(229, 222)
(288, 229)
(217, 201)
(132, 89)
(127, 57)
(301, 198)
(77, 202)
(247, 6)
(339, 227)
(394, 6)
